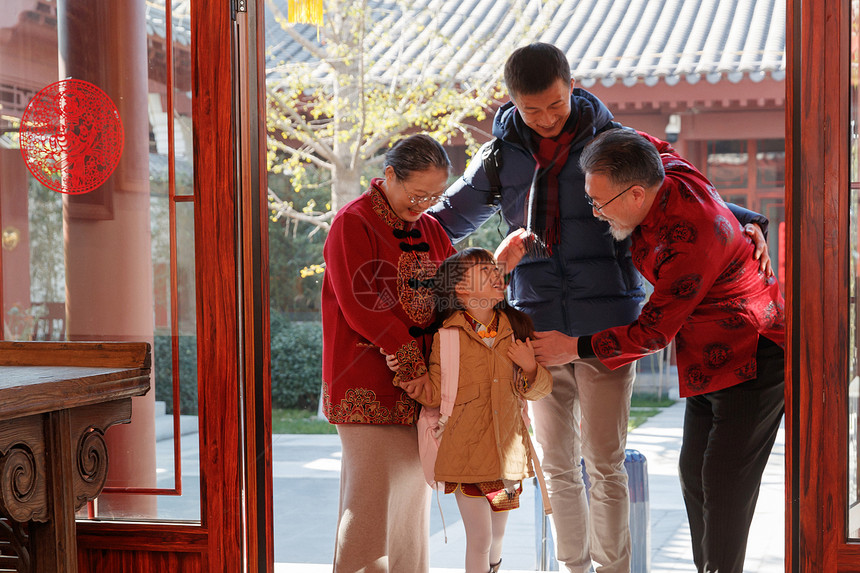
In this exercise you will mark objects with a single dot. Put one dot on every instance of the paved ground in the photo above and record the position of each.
(306, 475)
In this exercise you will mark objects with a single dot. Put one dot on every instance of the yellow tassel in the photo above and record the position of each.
(305, 12)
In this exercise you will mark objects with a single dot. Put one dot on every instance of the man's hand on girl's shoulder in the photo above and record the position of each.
(553, 348)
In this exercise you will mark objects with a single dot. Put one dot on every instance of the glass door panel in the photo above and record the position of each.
(96, 212)
(330, 119)
(853, 478)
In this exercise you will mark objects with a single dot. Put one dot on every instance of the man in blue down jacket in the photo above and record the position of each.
(578, 281)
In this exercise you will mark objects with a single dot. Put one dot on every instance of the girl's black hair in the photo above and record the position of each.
(451, 273)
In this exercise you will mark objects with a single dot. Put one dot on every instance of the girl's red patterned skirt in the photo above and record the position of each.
(500, 499)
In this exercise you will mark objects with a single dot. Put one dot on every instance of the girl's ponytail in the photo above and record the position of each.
(521, 323)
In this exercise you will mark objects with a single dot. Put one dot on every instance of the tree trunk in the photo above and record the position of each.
(345, 187)
(348, 114)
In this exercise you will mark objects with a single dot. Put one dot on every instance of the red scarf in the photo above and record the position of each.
(551, 155)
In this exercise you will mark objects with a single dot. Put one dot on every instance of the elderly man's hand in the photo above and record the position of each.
(761, 254)
(553, 348)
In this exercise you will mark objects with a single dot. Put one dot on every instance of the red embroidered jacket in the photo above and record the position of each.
(372, 296)
(709, 294)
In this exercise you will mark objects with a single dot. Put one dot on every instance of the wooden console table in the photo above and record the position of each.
(57, 399)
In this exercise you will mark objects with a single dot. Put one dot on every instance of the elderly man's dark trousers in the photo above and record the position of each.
(728, 436)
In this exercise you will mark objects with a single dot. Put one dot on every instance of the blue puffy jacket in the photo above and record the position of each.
(589, 283)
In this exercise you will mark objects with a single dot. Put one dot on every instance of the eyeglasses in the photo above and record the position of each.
(600, 208)
(414, 199)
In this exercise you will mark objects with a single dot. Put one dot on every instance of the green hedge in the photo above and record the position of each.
(296, 366)
(163, 373)
(296, 363)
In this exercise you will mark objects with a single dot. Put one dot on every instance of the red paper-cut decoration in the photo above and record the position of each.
(71, 136)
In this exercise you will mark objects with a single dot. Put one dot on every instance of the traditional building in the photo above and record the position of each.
(707, 76)
(763, 96)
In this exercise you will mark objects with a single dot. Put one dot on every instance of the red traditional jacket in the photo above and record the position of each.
(375, 295)
(709, 294)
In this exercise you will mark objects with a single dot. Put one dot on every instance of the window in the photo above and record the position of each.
(140, 221)
(751, 173)
(728, 163)
(770, 163)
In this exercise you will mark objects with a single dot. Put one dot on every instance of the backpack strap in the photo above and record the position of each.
(491, 160)
(547, 506)
(524, 410)
(609, 125)
(449, 362)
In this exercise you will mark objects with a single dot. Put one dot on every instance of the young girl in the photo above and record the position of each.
(484, 450)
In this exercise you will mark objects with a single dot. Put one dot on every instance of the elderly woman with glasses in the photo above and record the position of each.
(381, 255)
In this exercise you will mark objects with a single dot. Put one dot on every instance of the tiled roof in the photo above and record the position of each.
(607, 41)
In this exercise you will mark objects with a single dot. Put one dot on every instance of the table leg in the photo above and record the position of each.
(55, 548)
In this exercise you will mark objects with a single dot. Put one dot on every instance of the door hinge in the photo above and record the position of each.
(240, 5)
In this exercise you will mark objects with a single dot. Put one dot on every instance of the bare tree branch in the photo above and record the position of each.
(415, 69)
(284, 209)
(377, 160)
(305, 133)
(302, 154)
(363, 112)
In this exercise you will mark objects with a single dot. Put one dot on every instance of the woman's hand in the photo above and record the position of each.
(391, 361)
(523, 355)
(761, 254)
(415, 387)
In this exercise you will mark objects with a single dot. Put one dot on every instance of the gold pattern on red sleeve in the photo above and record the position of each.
(522, 383)
(411, 363)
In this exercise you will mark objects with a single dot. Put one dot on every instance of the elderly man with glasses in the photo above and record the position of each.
(725, 315)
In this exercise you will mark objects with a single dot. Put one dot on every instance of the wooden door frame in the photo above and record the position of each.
(818, 181)
(253, 236)
(231, 275)
(217, 266)
(232, 281)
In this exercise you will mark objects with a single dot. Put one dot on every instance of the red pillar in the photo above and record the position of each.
(15, 245)
(108, 253)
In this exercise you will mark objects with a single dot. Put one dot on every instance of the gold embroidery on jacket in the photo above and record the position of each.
(360, 406)
(411, 363)
(383, 209)
(417, 302)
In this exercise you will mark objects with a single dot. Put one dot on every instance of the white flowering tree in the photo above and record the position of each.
(372, 73)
